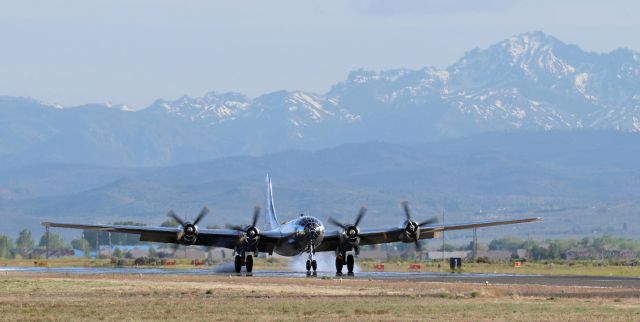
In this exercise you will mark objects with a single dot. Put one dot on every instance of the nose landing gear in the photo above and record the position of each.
(311, 263)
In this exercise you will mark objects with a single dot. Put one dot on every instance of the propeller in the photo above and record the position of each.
(250, 232)
(189, 231)
(351, 231)
(412, 228)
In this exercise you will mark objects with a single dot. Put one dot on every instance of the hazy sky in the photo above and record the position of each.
(132, 52)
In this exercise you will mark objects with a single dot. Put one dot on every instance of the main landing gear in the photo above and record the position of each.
(311, 263)
(340, 262)
(247, 262)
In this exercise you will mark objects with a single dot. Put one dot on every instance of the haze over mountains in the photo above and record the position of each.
(531, 82)
(528, 126)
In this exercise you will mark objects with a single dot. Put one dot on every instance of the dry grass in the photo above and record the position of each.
(590, 268)
(30, 296)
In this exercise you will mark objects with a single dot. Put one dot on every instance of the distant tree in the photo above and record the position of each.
(128, 255)
(55, 241)
(538, 252)
(153, 253)
(170, 223)
(213, 227)
(83, 245)
(447, 248)
(6, 244)
(25, 243)
(116, 238)
(506, 243)
(469, 246)
(117, 252)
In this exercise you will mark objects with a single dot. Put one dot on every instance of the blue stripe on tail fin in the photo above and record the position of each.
(271, 209)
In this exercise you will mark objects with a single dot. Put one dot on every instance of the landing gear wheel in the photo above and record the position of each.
(308, 265)
(350, 263)
(314, 265)
(339, 264)
(249, 264)
(238, 263)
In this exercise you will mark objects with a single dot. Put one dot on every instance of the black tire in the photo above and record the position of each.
(339, 264)
(308, 265)
(238, 263)
(350, 263)
(314, 265)
(248, 264)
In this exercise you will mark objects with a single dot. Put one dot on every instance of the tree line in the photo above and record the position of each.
(26, 247)
(593, 247)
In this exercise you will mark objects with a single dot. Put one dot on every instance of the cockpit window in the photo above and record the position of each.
(309, 220)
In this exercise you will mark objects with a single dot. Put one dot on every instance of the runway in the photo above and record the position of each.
(551, 280)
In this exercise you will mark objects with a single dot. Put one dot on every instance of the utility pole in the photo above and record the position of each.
(97, 244)
(475, 244)
(444, 262)
(47, 254)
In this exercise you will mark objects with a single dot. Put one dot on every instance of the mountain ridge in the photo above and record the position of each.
(581, 181)
(528, 82)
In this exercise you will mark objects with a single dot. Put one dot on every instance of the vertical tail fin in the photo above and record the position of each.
(271, 210)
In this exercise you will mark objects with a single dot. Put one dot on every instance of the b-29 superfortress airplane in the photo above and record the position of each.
(305, 234)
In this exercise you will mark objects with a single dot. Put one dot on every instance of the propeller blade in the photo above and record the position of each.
(337, 223)
(418, 245)
(175, 217)
(256, 213)
(175, 249)
(180, 235)
(429, 221)
(361, 214)
(405, 207)
(201, 215)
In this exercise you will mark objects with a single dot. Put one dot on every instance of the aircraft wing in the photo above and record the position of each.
(392, 235)
(477, 224)
(226, 238)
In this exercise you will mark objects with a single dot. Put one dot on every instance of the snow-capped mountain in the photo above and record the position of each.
(535, 81)
(530, 81)
(212, 108)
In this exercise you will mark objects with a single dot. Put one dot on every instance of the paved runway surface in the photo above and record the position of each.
(557, 280)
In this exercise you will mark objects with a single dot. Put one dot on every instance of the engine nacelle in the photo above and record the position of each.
(352, 235)
(411, 231)
(189, 233)
(252, 234)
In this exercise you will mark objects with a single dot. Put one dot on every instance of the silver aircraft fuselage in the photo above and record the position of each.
(298, 234)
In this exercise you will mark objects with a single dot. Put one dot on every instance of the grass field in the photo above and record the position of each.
(42, 296)
(593, 268)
